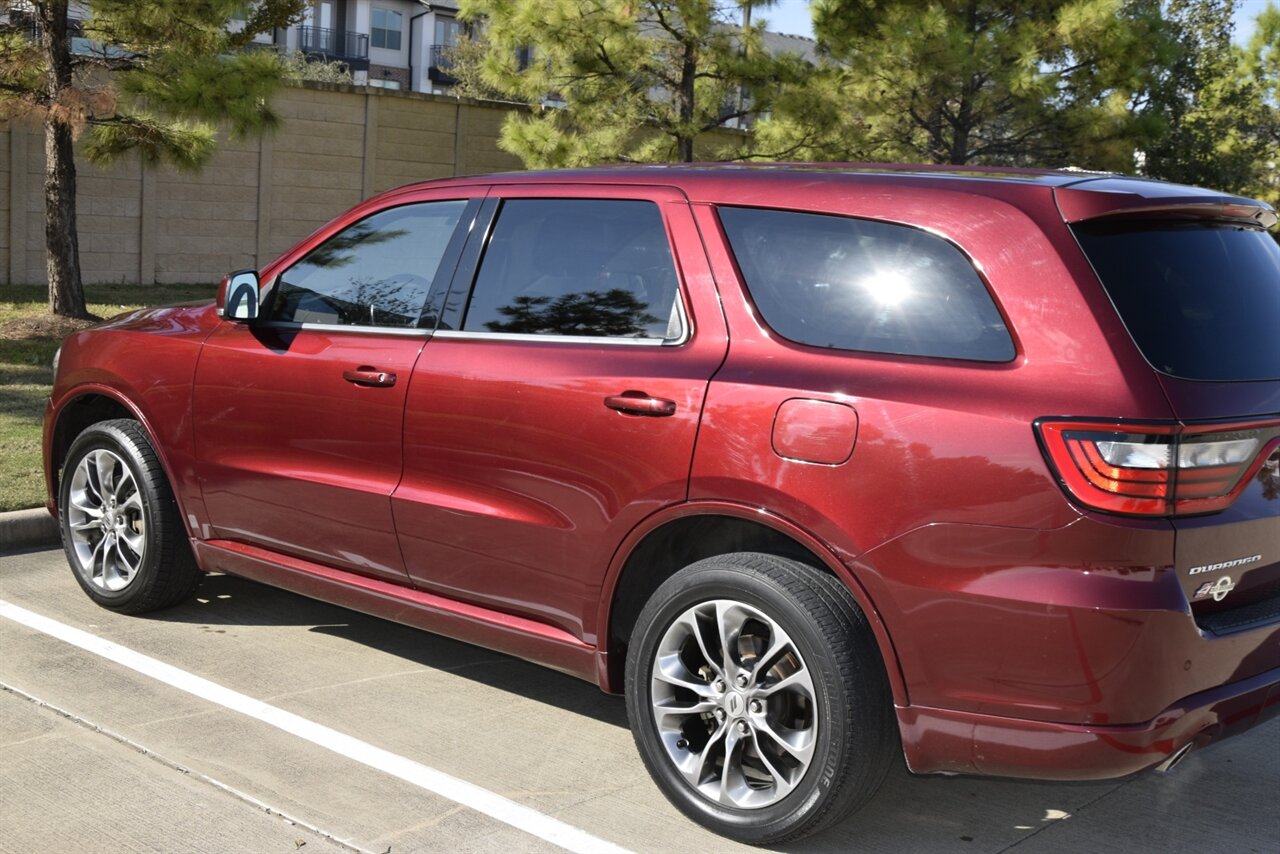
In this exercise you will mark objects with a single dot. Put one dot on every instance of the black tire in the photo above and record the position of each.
(158, 571)
(849, 707)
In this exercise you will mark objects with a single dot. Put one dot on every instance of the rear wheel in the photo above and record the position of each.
(121, 528)
(757, 697)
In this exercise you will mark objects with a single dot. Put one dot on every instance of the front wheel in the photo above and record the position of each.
(121, 528)
(757, 697)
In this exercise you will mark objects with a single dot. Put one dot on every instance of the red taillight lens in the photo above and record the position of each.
(1154, 469)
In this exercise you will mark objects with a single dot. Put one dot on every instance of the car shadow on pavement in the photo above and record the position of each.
(1182, 811)
(229, 600)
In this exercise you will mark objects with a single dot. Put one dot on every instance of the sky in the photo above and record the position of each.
(792, 16)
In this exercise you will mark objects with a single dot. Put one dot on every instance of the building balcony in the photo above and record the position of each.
(351, 49)
(441, 68)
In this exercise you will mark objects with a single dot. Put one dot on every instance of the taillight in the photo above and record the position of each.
(1155, 469)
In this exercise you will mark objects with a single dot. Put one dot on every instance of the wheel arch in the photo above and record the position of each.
(671, 539)
(88, 405)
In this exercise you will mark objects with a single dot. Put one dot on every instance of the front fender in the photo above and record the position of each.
(142, 365)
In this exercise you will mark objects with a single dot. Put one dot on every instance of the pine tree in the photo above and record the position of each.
(633, 80)
(1210, 103)
(152, 76)
(1261, 62)
(1055, 82)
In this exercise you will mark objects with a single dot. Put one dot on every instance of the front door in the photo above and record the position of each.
(298, 418)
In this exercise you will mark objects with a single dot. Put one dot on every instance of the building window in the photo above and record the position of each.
(386, 29)
(447, 31)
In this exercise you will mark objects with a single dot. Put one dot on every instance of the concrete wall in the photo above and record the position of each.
(336, 146)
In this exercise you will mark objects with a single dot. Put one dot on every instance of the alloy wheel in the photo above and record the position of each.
(106, 521)
(734, 704)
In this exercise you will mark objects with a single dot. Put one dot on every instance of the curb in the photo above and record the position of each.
(22, 529)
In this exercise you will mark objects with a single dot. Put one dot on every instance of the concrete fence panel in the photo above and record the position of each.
(335, 146)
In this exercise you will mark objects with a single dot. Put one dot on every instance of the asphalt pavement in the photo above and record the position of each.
(253, 720)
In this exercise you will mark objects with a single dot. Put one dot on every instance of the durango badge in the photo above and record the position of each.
(1217, 589)
(1226, 564)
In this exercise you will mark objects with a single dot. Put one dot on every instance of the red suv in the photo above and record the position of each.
(820, 465)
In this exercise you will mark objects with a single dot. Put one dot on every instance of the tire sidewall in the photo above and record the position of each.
(110, 438)
(691, 587)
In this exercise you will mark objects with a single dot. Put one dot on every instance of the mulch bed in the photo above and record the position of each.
(41, 326)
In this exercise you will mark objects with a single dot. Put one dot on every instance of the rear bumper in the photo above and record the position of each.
(939, 741)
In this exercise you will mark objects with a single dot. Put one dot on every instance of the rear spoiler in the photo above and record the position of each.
(1131, 198)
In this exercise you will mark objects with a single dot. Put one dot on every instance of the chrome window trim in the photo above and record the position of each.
(338, 327)
(677, 307)
(556, 339)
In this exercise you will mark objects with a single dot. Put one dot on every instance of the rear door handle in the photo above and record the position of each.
(365, 375)
(639, 403)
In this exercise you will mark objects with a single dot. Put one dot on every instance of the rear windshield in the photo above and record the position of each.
(1201, 300)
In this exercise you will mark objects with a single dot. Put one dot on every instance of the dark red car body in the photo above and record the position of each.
(490, 495)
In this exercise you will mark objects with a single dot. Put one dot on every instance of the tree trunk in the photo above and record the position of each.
(688, 74)
(684, 149)
(66, 290)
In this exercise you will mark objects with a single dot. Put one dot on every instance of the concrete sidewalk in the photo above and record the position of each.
(545, 740)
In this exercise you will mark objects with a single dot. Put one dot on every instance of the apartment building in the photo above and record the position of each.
(394, 44)
(404, 44)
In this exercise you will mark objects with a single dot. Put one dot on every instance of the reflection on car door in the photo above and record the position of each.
(557, 406)
(298, 418)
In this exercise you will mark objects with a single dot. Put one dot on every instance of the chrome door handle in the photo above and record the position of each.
(365, 375)
(639, 403)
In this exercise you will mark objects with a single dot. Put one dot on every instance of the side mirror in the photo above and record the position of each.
(238, 296)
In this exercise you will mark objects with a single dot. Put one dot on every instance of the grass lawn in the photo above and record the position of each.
(28, 339)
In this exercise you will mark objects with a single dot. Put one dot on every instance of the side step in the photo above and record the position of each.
(518, 636)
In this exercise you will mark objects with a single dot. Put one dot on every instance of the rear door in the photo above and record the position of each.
(557, 404)
(298, 418)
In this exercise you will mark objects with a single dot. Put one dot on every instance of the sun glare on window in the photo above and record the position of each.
(887, 288)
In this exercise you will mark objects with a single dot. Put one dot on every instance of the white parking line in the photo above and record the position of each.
(437, 782)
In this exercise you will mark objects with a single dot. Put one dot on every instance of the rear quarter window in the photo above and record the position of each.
(854, 284)
(1201, 300)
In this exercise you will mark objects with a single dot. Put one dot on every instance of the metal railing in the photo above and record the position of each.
(441, 69)
(334, 44)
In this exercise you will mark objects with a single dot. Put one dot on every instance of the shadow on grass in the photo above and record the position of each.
(23, 404)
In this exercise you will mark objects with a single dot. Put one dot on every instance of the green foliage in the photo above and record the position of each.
(153, 76)
(186, 146)
(298, 67)
(1044, 82)
(466, 65)
(1209, 103)
(158, 76)
(619, 80)
(1261, 63)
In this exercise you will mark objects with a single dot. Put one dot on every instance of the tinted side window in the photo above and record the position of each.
(374, 273)
(576, 267)
(852, 284)
(1201, 300)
